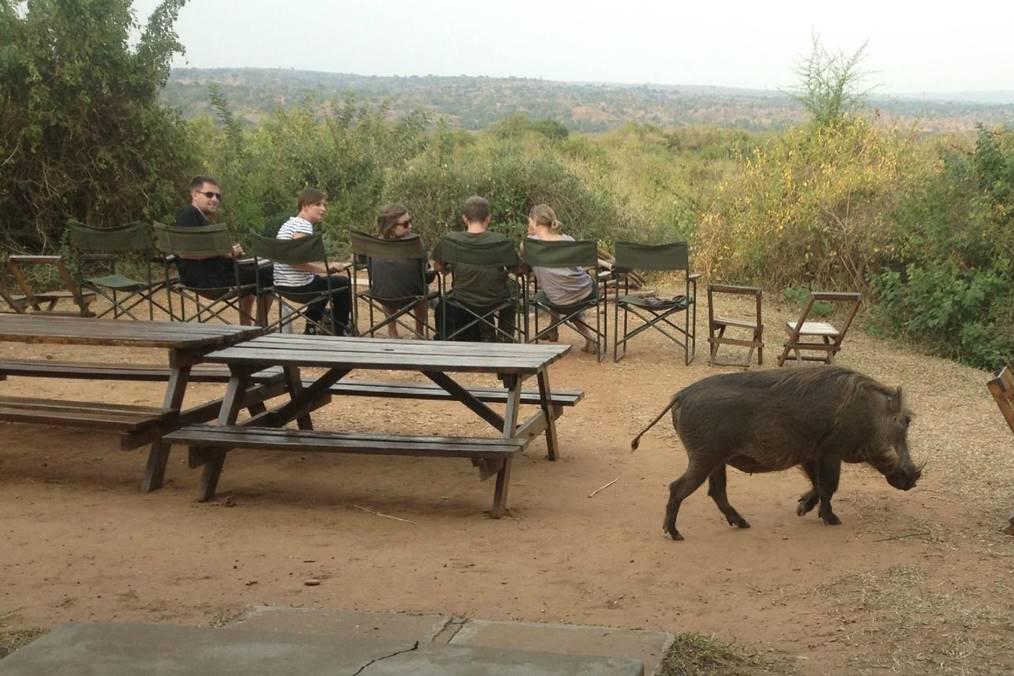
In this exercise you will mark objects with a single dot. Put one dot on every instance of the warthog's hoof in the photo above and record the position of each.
(831, 519)
(806, 503)
(737, 521)
(672, 532)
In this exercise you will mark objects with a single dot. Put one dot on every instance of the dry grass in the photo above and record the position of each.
(12, 639)
(900, 620)
(699, 655)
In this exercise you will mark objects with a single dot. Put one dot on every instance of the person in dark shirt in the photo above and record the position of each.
(478, 288)
(216, 272)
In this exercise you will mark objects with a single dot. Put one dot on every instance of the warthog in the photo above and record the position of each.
(766, 421)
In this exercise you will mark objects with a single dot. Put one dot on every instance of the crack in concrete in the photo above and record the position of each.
(415, 646)
(454, 625)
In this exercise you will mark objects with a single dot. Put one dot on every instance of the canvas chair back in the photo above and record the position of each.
(559, 254)
(365, 247)
(205, 241)
(194, 242)
(100, 248)
(655, 313)
(496, 254)
(296, 251)
(654, 257)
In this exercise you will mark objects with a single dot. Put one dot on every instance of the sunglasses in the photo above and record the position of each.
(407, 224)
(209, 195)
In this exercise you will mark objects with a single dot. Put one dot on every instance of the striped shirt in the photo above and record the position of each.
(286, 275)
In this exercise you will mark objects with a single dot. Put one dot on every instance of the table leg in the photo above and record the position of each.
(295, 385)
(158, 455)
(546, 402)
(510, 424)
(215, 459)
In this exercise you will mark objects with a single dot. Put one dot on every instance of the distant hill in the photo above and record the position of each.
(477, 102)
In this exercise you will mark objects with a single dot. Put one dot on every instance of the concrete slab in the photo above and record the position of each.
(341, 624)
(649, 647)
(129, 649)
(441, 660)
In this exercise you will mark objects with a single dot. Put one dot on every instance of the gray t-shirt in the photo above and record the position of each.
(564, 286)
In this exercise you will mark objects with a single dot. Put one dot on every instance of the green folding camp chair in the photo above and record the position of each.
(101, 249)
(371, 252)
(497, 321)
(203, 242)
(654, 312)
(565, 254)
(309, 249)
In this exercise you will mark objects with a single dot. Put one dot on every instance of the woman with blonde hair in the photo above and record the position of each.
(398, 278)
(562, 286)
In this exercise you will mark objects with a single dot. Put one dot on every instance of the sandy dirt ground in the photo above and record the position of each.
(912, 582)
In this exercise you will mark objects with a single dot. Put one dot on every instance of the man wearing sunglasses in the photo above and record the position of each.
(216, 272)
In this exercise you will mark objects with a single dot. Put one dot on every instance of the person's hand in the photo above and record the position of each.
(334, 267)
(237, 250)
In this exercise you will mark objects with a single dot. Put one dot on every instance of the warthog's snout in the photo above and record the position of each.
(903, 480)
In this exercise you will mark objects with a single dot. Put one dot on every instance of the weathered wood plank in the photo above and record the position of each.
(270, 438)
(336, 358)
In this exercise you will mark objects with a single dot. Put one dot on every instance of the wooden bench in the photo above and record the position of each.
(1001, 386)
(133, 422)
(34, 368)
(137, 425)
(210, 443)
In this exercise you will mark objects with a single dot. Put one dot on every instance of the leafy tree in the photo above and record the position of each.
(82, 133)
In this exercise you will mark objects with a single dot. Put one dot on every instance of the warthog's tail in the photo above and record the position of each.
(637, 439)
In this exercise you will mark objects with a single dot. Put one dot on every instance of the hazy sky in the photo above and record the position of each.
(913, 47)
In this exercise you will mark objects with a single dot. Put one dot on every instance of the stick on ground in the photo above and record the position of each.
(602, 488)
(386, 516)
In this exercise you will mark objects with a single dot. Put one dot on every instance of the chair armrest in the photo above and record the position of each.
(694, 276)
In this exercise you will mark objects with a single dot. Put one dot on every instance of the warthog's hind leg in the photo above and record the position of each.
(679, 490)
(828, 473)
(716, 489)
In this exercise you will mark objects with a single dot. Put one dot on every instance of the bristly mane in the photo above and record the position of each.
(802, 382)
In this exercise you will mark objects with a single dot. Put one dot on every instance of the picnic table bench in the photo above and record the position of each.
(437, 360)
(137, 425)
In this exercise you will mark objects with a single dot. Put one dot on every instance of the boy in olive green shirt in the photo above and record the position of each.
(479, 288)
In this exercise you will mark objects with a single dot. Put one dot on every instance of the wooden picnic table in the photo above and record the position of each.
(186, 344)
(338, 356)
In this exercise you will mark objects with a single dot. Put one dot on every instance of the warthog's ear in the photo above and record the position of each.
(894, 404)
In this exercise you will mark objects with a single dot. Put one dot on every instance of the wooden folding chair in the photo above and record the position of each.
(1002, 389)
(830, 338)
(37, 299)
(717, 326)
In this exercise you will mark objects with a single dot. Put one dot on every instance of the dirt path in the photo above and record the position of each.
(912, 582)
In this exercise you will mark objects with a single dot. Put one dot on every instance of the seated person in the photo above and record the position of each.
(399, 278)
(563, 286)
(478, 288)
(216, 272)
(312, 278)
